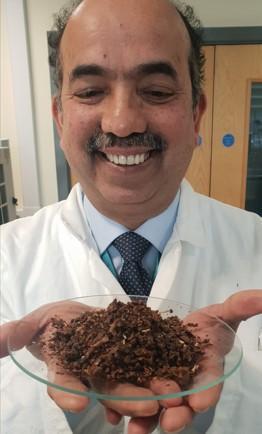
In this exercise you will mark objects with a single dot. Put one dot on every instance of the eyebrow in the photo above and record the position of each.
(144, 69)
(85, 70)
(152, 68)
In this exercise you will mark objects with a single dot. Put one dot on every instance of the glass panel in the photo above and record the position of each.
(5, 214)
(2, 178)
(3, 194)
(254, 170)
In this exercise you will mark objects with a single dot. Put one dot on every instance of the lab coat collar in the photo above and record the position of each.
(189, 225)
(73, 215)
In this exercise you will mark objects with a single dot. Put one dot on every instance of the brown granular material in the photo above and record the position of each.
(127, 343)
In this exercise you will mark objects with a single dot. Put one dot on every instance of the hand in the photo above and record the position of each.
(37, 323)
(172, 414)
(28, 329)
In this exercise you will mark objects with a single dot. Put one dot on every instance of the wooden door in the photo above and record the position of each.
(236, 68)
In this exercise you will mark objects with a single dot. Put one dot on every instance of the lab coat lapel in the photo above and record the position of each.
(92, 275)
(100, 273)
(165, 278)
(188, 230)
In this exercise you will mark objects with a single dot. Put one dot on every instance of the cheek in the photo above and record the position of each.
(180, 138)
(177, 128)
(74, 127)
(79, 124)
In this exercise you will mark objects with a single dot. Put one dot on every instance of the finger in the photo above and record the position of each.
(112, 416)
(241, 306)
(175, 419)
(166, 387)
(238, 307)
(202, 401)
(132, 408)
(64, 399)
(17, 334)
(6, 331)
(212, 368)
(142, 425)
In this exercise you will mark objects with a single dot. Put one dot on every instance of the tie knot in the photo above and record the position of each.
(131, 246)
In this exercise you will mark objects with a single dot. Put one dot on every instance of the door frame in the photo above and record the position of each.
(232, 35)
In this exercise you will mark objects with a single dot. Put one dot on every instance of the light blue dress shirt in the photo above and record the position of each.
(157, 230)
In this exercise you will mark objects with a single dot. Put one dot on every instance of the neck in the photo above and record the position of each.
(130, 216)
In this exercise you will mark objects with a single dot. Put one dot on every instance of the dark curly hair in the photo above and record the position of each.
(193, 25)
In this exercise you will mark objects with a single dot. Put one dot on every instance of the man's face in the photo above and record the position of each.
(125, 72)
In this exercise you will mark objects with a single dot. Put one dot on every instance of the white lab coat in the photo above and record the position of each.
(214, 251)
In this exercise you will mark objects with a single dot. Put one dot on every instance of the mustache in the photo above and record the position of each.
(101, 141)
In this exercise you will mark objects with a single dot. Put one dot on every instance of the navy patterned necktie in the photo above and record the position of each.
(133, 278)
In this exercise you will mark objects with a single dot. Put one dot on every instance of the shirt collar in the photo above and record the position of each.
(157, 230)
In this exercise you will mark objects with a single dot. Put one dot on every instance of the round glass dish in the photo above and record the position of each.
(221, 360)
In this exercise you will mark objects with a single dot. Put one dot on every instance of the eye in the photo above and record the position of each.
(90, 95)
(156, 95)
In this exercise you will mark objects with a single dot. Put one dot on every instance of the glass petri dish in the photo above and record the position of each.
(221, 359)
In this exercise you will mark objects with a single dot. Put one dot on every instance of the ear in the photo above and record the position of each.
(198, 114)
(57, 114)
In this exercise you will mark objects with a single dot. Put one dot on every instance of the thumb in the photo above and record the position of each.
(20, 333)
(238, 307)
(16, 334)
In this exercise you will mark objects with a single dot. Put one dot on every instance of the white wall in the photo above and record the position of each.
(213, 13)
(228, 13)
(7, 110)
(17, 49)
(39, 20)
(27, 122)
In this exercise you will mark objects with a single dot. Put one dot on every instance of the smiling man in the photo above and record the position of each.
(128, 109)
(125, 114)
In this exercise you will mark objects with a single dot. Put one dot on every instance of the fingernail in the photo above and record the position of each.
(203, 411)
(174, 432)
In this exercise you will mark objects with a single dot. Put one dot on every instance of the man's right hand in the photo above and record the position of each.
(36, 323)
(28, 329)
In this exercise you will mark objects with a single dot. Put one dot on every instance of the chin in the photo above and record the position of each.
(124, 196)
(126, 200)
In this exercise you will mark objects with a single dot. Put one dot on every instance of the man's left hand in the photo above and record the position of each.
(175, 414)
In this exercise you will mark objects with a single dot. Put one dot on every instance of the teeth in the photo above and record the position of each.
(129, 160)
(122, 160)
(111, 158)
(137, 159)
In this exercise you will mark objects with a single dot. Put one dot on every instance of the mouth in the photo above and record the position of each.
(134, 159)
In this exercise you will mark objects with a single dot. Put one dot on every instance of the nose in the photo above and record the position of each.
(123, 115)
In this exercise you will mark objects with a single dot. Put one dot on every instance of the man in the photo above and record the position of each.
(128, 113)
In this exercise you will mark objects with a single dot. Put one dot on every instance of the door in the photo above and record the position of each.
(237, 83)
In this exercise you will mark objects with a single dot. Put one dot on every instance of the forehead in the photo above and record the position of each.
(121, 32)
